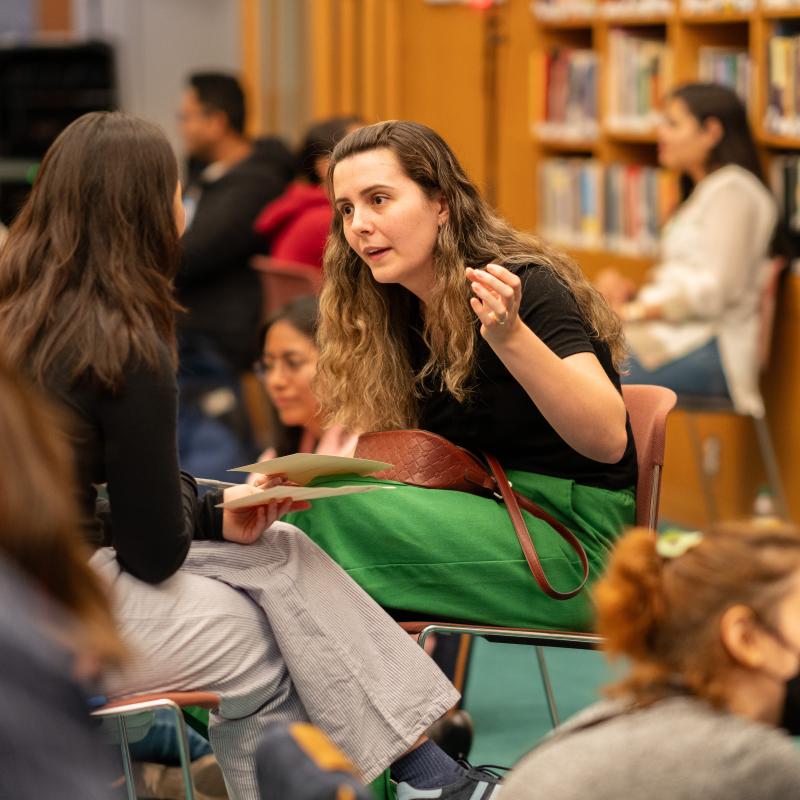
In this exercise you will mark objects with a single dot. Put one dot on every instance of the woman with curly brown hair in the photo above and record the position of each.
(709, 624)
(437, 314)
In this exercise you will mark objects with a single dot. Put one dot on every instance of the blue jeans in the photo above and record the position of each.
(699, 372)
(160, 746)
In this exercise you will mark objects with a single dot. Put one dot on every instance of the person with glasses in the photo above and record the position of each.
(287, 368)
(708, 625)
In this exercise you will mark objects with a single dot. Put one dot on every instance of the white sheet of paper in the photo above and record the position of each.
(304, 467)
(300, 493)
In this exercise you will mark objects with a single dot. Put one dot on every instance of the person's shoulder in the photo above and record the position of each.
(738, 181)
(541, 284)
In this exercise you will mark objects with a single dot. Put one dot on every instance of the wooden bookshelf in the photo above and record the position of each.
(686, 31)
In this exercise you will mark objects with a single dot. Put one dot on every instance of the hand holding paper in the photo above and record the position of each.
(245, 523)
(286, 478)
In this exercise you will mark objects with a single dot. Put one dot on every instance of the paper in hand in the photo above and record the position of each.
(301, 468)
(282, 491)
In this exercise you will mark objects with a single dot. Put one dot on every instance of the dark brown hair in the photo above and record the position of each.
(40, 533)
(86, 272)
(663, 615)
(302, 314)
(706, 101)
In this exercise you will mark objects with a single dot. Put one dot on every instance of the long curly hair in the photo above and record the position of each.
(365, 379)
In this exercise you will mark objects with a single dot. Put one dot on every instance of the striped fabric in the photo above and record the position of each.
(281, 633)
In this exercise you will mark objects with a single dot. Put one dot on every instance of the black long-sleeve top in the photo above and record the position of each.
(128, 440)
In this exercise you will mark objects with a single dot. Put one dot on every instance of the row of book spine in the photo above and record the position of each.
(784, 178)
(549, 10)
(783, 93)
(638, 78)
(617, 207)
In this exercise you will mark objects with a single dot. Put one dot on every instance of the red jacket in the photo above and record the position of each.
(297, 224)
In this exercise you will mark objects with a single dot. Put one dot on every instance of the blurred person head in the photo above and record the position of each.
(704, 128)
(40, 531)
(408, 222)
(318, 143)
(287, 367)
(715, 615)
(86, 272)
(212, 111)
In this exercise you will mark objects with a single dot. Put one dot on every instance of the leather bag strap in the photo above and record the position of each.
(513, 500)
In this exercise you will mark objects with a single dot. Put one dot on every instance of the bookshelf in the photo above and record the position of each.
(753, 46)
(642, 48)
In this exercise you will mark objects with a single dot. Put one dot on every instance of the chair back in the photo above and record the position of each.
(767, 304)
(648, 409)
(284, 281)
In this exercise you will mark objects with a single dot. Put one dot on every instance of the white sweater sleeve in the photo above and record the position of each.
(715, 268)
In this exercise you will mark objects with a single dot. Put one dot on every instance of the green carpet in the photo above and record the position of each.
(504, 695)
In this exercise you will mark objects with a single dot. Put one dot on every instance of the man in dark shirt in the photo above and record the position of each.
(216, 284)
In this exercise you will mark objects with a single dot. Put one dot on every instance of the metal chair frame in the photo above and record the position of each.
(120, 709)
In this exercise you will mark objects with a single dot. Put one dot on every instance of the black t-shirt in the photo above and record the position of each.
(500, 418)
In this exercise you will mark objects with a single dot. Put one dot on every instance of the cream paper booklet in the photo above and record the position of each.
(301, 468)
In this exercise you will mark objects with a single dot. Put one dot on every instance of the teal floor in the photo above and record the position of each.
(504, 695)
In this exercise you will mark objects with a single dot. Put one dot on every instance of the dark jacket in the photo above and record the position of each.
(215, 283)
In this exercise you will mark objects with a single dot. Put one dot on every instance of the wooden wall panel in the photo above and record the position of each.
(54, 15)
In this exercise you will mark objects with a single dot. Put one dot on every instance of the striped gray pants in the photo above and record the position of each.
(281, 633)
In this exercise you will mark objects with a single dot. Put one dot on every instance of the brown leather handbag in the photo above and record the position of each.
(425, 459)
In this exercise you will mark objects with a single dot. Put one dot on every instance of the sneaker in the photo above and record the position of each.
(476, 784)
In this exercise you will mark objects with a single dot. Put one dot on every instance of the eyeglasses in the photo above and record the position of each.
(291, 363)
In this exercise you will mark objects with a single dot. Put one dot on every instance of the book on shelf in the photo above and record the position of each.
(570, 201)
(726, 65)
(617, 207)
(639, 76)
(778, 5)
(783, 82)
(570, 95)
(556, 10)
(718, 6)
(616, 9)
(784, 178)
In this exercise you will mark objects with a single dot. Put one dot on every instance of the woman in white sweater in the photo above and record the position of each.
(694, 325)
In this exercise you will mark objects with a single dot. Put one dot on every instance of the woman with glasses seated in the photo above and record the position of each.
(287, 368)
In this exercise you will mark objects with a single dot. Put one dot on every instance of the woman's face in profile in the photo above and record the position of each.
(387, 219)
(684, 145)
(290, 364)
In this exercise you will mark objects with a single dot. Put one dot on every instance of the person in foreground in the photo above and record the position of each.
(709, 625)
(56, 626)
(436, 314)
(231, 602)
(694, 324)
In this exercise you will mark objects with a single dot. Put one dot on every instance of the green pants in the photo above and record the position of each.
(450, 555)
